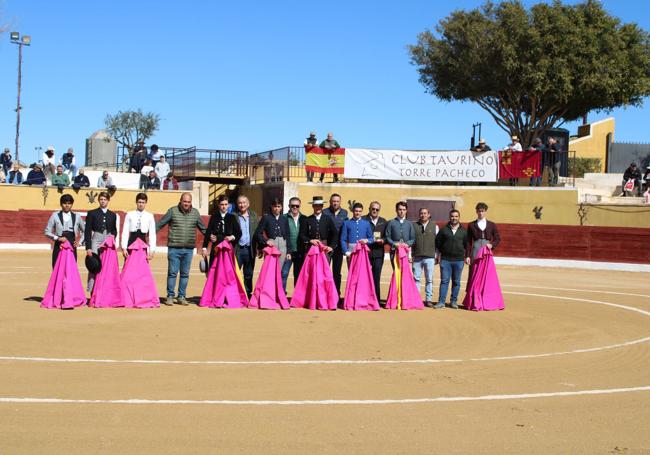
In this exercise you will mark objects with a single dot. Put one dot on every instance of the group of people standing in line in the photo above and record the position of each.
(292, 238)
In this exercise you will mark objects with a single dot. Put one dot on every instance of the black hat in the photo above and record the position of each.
(93, 264)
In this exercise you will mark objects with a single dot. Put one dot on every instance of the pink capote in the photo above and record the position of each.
(138, 286)
(224, 286)
(315, 289)
(403, 293)
(64, 290)
(483, 289)
(107, 292)
(268, 293)
(360, 287)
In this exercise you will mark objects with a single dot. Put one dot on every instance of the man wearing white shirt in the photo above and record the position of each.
(162, 169)
(137, 224)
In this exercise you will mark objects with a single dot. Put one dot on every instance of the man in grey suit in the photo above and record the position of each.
(399, 230)
(65, 225)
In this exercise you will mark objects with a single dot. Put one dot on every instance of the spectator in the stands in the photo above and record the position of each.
(162, 168)
(36, 176)
(138, 157)
(69, 163)
(60, 180)
(156, 153)
(81, 180)
(15, 177)
(310, 143)
(632, 173)
(49, 160)
(170, 182)
(6, 161)
(646, 176)
(153, 182)
(513, 147)
(537, 146)
(552, 161)
(105, 181)
(481, 147)
(144, 173)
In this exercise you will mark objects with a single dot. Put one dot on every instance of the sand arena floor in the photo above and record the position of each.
(564, 369)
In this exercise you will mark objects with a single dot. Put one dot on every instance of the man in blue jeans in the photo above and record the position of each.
(450, 243)
(424, 253)
(183, 221)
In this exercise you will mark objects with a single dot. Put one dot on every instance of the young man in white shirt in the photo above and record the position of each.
(139, 223)
(162, 169)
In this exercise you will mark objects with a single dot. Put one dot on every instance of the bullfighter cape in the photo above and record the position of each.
(64, 290)
(360, 287)
(107, 292)
(483, 289)
(315, 289)
(268, 293)
(225, 285)
(138, 286)
(403, 293)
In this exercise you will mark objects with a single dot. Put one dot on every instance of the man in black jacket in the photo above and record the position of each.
(222, 226)
(378, 225)
(100, 223)
(451, 243)
(318, 229)
(632, 173)
(81, 180)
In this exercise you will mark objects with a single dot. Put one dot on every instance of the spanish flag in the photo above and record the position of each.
(324, 161)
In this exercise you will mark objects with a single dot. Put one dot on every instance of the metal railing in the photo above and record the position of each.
(190, 163)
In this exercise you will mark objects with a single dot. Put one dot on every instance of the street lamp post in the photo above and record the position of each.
(21, 41)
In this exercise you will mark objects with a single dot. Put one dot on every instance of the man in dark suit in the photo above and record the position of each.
(222, 226)
(339, 216)
(378, 225)
(246, 247)
(318, 229)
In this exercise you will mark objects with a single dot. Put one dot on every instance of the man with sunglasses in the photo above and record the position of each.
(378, 225)
(295, 257)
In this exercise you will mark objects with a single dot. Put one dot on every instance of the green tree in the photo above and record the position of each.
(130, 127)
(535, 69)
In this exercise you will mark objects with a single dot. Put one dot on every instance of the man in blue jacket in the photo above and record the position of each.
(355, 230)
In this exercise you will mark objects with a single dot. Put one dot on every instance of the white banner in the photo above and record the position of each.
(424, 165)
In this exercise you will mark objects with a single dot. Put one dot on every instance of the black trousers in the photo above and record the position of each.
(57, 246)
(337, 264)
(377, 264)
(297, 259)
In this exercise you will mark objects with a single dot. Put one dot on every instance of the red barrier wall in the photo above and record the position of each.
(588, 243)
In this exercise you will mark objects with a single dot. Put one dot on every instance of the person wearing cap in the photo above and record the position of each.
(138, 224)
(6, 161)
(69, 163)
(183, 220)
(65, 225)
(49, 161)
(634, 174)
(100, 223)
(329, 145)
(15, 177)
(317, 229)
(339, 216)
(537, 146)
(36, 176)
(81, 180)
(481, 147)
(170, 183)
(162, 168)
(514, 147)
(310, 143)
(60, 180)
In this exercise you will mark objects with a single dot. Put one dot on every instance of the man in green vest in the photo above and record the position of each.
(183, 221)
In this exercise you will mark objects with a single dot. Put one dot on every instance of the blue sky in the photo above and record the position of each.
(242, 75)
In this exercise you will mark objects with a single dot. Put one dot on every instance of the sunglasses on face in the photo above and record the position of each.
(373, 209)
(294, 206)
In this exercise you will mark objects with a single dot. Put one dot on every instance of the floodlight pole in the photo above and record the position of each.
(15, 39)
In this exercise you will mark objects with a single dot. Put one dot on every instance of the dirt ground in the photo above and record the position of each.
(564, 369)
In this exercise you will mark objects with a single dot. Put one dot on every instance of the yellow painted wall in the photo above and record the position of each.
(26, 198)
(594, 145)
(616, 215)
